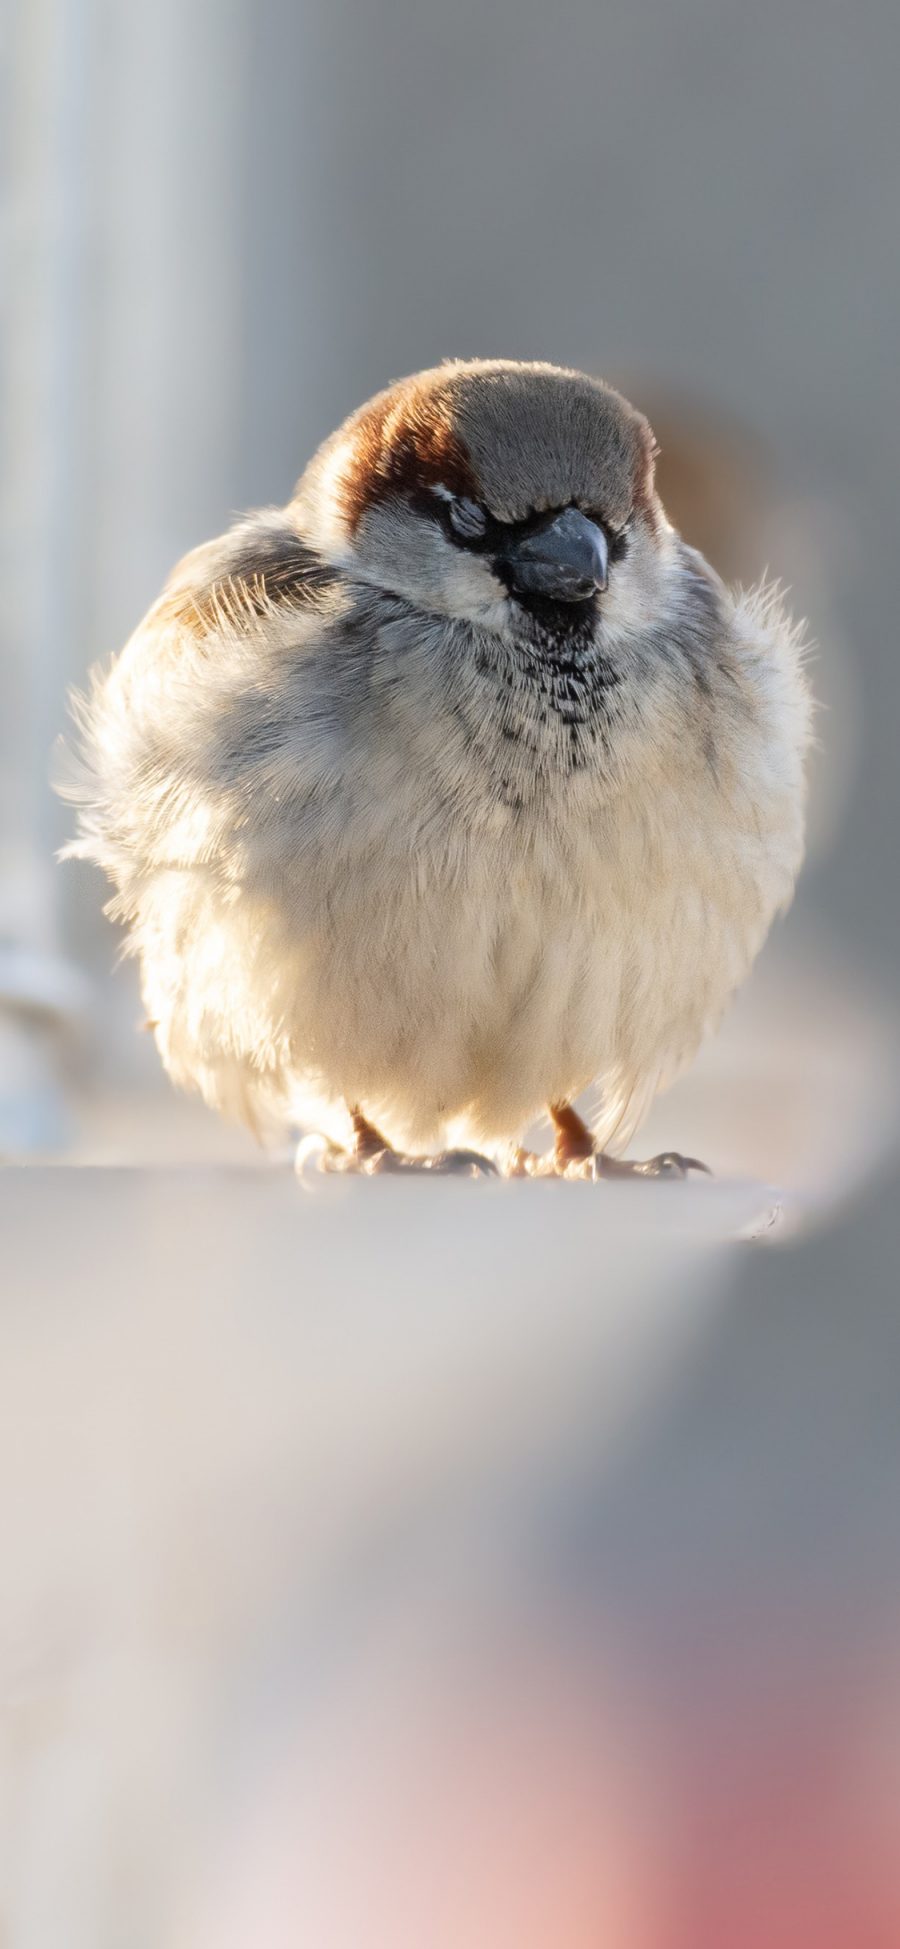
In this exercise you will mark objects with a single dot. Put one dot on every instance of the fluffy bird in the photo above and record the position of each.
(453, 789)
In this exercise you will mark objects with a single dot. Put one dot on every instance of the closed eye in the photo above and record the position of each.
(465, 522)
(468, 521)
(618, 544)
(617, 538)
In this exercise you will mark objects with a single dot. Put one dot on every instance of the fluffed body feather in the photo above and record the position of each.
(374, 854)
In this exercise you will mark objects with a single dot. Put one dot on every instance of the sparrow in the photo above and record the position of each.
(457, 787)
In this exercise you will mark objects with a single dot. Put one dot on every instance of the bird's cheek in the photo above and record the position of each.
(639, 590)
(471, 589)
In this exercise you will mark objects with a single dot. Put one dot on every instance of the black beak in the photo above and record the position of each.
(566, 561)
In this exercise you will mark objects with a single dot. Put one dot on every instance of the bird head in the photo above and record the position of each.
(514, 496)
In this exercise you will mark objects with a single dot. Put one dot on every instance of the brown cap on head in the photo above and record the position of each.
(519, 438)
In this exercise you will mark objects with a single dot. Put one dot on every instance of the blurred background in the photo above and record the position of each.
(225, 224)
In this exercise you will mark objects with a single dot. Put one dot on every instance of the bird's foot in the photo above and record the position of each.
(445, 1163)
(533, 1164)
(372, 1156)
(668, 1164)
(576, 1155)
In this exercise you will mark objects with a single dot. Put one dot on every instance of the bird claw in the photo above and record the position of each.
(456, 1163)
(385, 1162)
(598, 1168)
(668, 1164)
(447, 1163)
